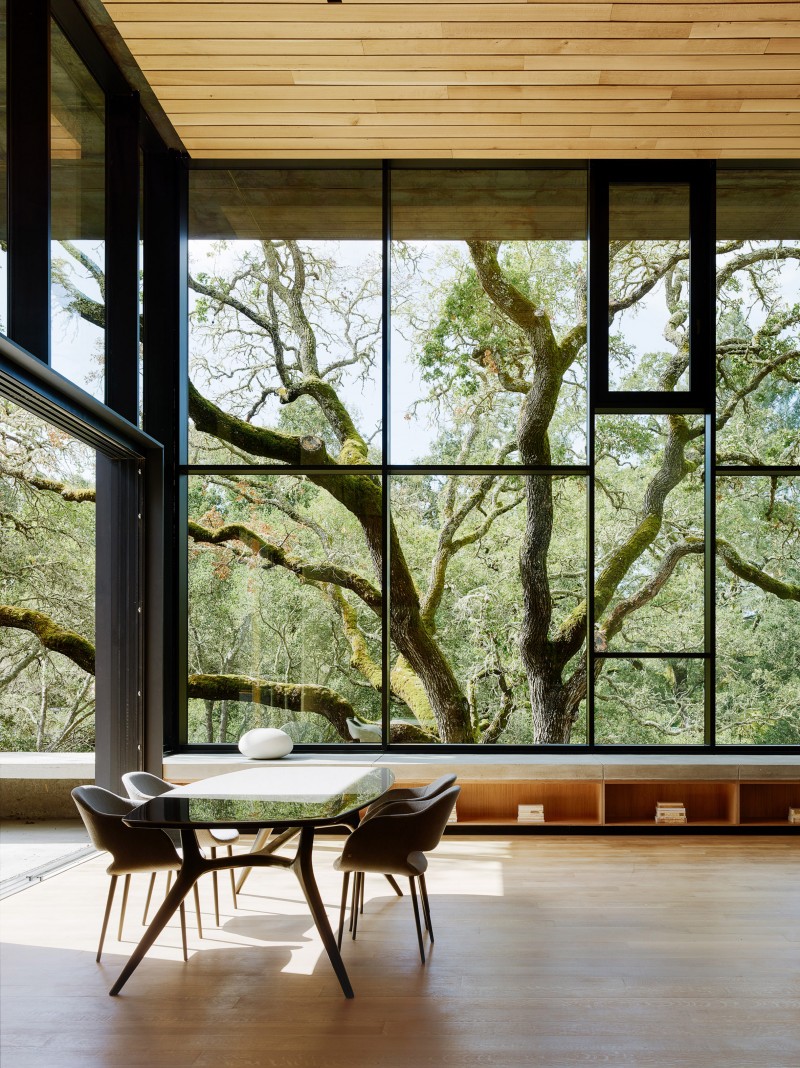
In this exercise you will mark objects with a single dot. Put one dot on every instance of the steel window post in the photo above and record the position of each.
(165, 340)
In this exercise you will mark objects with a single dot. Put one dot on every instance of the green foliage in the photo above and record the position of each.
(758, 635)
(46, 564)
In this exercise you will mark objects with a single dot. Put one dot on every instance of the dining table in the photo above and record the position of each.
(290, 799)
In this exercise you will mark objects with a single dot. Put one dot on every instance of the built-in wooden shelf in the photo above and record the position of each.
(590, 791)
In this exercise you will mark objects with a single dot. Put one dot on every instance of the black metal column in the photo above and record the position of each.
(704, 379)
(29, 175)
(118, 694)
(165, 340)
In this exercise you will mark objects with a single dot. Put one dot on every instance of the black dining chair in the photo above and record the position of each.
(142, 786)
(133, 850)
(401, 793)
(394, 841)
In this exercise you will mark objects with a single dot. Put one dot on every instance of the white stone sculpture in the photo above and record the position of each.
(265, 743)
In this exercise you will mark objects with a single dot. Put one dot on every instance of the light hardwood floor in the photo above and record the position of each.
(554, 951)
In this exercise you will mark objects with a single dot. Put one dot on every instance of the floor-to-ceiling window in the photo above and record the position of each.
(389, 391)
(285, 496)
(488, 450)
(758, 457)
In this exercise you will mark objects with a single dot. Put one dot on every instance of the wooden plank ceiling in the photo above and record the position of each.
(356, 79)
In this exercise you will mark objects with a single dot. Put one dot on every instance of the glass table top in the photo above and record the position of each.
(269, 796)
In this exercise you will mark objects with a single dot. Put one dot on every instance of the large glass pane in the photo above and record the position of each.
(648, 286)
(488, 307)
(284, 606)
(758, 317)
(285, 319)
(758, 610)
(649, 533)
(47, 585)
(649, 702)
(77, 151)
(488, 632)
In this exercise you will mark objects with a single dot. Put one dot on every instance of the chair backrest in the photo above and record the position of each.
(401, 828)
(438, 786)
(141, 785)
(132, 848)
(411, 793)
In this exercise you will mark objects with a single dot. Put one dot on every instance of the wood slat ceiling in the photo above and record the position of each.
(312, 79)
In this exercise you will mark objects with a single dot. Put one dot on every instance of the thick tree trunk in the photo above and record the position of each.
(415, 642)
(551, 709)
(543, 659)
(543, 662)
(362, 496)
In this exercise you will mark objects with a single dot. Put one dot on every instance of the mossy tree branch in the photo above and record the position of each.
(274, 555)
(291, 697)
(744, 569)
(52, 635)
(78, 494)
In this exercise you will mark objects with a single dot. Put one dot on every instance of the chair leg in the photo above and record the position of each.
(393, 883)
(233, 880)
(216, 886)
(125, 890)
(109, 900)
(149, 896)
(342, 908)
(426, 906)
(183, 932)
(363, 881)
(356, 900)
(416, 918)
(169, 880)
(197, 910)
(353, 901)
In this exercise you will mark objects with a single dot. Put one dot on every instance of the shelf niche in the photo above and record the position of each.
(706, 802)
(767, 802)
(569, 802)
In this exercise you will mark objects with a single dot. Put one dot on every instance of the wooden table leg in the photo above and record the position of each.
(304, 871)
(180, 888)
(263, 846)
(194, 865)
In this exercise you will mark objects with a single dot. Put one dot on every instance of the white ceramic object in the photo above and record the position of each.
(265, 743)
